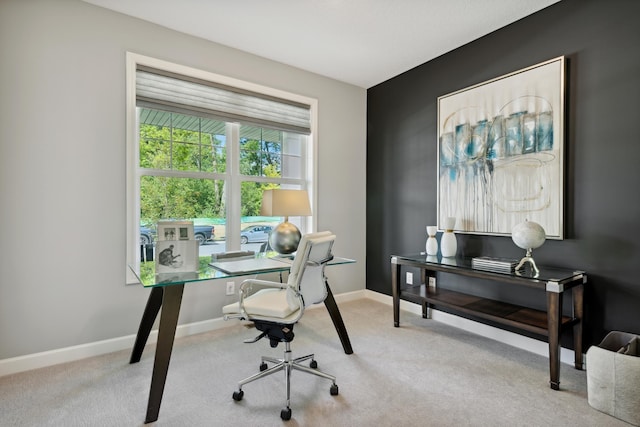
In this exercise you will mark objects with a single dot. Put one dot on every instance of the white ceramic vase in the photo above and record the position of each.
(432, 242)
(448, 241)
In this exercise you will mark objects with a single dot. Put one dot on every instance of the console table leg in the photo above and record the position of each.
(426, 310)
(554, 316)
(395, 288)
(578, 311)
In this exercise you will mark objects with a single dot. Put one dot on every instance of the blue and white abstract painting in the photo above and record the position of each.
(500, 153)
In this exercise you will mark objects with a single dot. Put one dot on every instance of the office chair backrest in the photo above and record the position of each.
(307, 271)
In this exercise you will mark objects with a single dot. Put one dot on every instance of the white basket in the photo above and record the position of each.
(613, 376)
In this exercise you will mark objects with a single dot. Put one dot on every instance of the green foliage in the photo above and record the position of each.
(252, 193)
(256, 156)
(184, 150)
(166, 148)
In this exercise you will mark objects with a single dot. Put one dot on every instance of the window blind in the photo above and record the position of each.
(169, 91)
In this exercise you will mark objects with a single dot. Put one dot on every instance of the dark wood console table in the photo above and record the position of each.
(550, 323)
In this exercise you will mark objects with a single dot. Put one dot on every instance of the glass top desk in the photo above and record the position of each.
(166, 293)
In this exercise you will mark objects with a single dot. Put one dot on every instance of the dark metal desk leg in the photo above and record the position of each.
(395, 289)
(148, 317)
(578, 312)
(554, 316)
(166, 334)
(336, 317)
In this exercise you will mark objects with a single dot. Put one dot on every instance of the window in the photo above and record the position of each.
(204, 147)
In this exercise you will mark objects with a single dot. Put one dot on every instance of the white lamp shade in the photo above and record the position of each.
(285, 203)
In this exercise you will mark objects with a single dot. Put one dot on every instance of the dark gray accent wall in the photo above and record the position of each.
(601, 41)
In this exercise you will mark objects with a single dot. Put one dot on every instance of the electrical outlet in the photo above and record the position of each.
(231, 288)
(432, 281)
(409, 278)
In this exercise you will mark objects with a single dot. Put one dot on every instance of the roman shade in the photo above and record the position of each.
(169, 91)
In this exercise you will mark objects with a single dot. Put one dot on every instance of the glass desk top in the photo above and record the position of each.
(262, 263)
(546, 274)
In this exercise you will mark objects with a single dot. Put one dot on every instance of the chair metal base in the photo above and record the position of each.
(286, 364)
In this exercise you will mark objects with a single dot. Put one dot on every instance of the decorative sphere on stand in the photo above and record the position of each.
(528, 235)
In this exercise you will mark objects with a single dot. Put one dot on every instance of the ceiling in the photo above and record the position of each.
(361, 42)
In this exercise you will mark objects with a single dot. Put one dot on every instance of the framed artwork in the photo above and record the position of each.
(501, 152)
(175, 230)
(176, 256)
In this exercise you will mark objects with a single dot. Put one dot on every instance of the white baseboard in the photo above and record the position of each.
(69, 354)
(506, 337)
(77, 352)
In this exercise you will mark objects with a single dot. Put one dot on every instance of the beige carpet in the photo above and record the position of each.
(422, 374)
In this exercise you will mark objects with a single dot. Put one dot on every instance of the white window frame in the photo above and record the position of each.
(232, 175)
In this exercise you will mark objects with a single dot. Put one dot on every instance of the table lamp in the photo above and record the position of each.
(285, 238)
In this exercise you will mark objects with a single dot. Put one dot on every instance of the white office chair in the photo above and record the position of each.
(277, 308)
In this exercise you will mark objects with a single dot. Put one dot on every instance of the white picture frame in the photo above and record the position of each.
(176, 256)
(501, 152)
(175, 230)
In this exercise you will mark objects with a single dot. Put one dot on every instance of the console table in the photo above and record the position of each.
(550, 323)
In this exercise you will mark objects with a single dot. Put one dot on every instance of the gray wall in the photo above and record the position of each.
(601, 40)
(62, 169)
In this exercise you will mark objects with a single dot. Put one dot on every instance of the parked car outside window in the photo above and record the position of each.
(255, 234)
(146, 235)
(204, 233)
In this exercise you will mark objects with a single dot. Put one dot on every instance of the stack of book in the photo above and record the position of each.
(232, 256)
(500, 265)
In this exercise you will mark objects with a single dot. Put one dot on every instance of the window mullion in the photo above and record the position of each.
(171, 142)
(268, 180)
(182, 174)
(234, 207)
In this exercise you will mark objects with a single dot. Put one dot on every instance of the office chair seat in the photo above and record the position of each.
(277, 307)
(267, 304)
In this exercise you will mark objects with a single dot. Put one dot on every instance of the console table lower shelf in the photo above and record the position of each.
(550, 323)
(524, 318)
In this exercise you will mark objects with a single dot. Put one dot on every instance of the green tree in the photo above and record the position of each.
(165, 197)
(256, 163)
(171, 148)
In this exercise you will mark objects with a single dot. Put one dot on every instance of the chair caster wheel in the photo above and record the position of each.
(238, 395)
(313, 364)
(263, 367)
(334, 390)
(285, 414)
